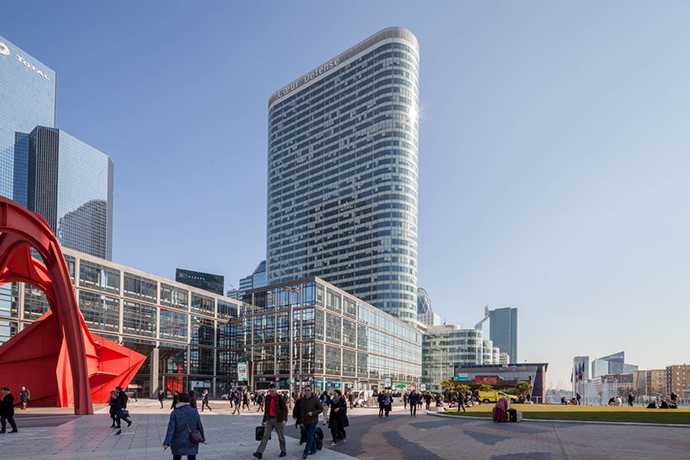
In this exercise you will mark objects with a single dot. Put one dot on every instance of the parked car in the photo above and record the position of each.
(493, 396)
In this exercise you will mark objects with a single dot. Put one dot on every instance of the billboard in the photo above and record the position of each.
(486, 380)
(242, 371)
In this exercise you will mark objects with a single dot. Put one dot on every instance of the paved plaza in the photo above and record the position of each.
(50, 434)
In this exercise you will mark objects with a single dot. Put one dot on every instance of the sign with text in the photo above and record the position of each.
(242, 371)
(486, 379)
(388, 383)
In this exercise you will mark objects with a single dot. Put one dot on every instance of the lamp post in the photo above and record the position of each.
(289, 291)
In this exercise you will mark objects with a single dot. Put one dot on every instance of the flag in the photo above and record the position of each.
(571, 376)
(582, 370)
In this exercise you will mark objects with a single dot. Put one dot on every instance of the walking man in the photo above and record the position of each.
(406, 396)
(310, 408)
(237, 400)
(414, 400)
(204, 401)
(7, 410)
(245, 400)
(275, 418)
(387, 402)
(161, 397)
(24, 397)
(121, 408)
(631, 399)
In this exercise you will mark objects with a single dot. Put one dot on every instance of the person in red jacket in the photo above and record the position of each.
(275, 418)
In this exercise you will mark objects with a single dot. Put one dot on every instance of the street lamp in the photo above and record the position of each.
(289, 291)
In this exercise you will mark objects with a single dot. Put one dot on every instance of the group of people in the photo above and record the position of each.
(308, 406)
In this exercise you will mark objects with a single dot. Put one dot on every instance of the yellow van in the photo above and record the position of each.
(493, 396)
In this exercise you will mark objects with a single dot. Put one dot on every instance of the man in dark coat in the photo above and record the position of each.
(381, 400)
(414, 400)
(631, 399)
(161, 397)
(310, 408)
(275, 418)
(338, 421)
(24, 397)
(7, 410)
(120, 407)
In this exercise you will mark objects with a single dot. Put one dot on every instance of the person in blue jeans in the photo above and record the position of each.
(310, 408)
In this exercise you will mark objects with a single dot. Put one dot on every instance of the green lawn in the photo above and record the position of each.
(587, 413)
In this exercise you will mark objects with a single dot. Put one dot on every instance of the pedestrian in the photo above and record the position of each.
(427, 400)
(161, 397)
(237, 401)
(112, 410)
(121, 407)
(406, 397)
(461, 401)
(381, 401)
(387, 402)
(260, 402)
(134, 394)
(325, 403)
(577, 396)
(275, 418)
(176, 395)
(351, 398)
(204, 401)
(24, 396)
(414, 399)
(192, 399)
(245, 400)
(297, 417)
(631, 399)
(309, 411)
(183, 420)
(339, 420)
(7, 410)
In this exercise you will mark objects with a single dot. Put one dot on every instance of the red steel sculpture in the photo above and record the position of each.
(56, 357)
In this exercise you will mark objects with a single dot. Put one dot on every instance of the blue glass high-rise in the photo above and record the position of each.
(70, 184)
(27, 99)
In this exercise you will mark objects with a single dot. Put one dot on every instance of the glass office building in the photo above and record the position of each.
(183, 331)
(27, 99)
(205, 281)
(256, 280)
(500, 325)
(338, 340)
(449, 345)
(70, 184)
(342, 174)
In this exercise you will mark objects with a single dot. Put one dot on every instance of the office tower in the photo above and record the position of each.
(425, 314)
(70, 184)
(342, 174)
(27, 99)
(205, 281)
(501, 325)
(612, 364)
(256, 280)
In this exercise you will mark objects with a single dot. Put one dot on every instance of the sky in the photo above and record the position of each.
(554, 148)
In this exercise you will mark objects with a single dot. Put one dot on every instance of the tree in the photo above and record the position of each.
(523, 387)
(447, 385)
(485, 388)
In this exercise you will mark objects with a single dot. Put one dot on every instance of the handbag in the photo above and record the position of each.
(194, 435)
(259, 432)
(124, 413)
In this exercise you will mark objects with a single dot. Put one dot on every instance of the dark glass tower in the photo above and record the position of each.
(70, 184)
(342, 174)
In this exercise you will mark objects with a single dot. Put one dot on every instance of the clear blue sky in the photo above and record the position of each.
(554, 148)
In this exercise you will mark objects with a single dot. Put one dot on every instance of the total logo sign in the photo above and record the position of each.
(5, 51)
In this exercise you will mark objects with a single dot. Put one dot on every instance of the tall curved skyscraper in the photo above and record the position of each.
(342, 174)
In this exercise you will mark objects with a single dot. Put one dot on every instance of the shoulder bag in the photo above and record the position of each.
(194, 435)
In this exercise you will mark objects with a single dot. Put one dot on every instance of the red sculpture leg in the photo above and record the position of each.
(57, 350)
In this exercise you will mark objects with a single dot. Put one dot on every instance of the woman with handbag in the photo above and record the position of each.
(185, 431)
